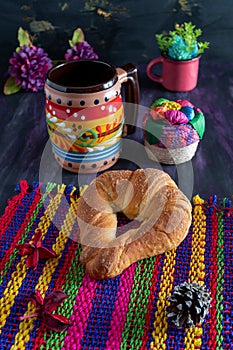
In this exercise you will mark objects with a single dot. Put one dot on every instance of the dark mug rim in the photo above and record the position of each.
(53, 81)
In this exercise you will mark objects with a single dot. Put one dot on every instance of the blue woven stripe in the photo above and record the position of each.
(18, 257)
(96, 333)
(175, 338)
(51, 287)
(16, 222)
(22, 299)
(29, 284)
(32, 277)
(56, 273)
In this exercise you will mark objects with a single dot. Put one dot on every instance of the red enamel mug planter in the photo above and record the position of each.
(179, 76)
(85, 113)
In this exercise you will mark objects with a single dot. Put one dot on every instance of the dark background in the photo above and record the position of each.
(120, 32)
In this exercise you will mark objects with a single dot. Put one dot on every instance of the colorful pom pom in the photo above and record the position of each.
(158, 112)
(159, 102)
(181, 116)
(189, 112)
(185, 103)
(172, 105)
(176, 117)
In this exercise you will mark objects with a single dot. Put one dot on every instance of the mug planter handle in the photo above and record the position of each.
(177, 75)
(128, 77)
(151, 64)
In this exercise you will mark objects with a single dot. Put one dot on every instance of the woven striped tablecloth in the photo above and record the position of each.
(126, 312)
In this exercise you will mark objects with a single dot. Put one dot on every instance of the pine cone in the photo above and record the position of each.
(189, 304)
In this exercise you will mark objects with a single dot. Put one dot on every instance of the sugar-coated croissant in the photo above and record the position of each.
(149, 196)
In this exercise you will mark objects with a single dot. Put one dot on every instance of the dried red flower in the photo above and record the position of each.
(35, 250)
(45, 307)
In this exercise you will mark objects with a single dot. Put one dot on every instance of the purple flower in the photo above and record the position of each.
(29, 67)
(82, 50)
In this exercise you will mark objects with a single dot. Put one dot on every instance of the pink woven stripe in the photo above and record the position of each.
(12, 206)
(121, 308)
(81, 312)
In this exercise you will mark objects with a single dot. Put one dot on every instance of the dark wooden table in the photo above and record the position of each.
(26, 152)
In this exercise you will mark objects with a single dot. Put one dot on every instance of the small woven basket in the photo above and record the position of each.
(169, 155)
(172, 131)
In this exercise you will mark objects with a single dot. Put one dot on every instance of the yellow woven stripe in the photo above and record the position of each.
(193, 338)
(26, 326)
(160, 325)
(17, 277)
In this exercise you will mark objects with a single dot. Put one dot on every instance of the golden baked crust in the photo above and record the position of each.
(147, 195)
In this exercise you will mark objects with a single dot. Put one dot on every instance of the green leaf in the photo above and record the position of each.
(24, 37)
(164, 41)
(78, 36)
(202, 46)
(158, 102)
(198, 33)
(10, 86)
(199, 124)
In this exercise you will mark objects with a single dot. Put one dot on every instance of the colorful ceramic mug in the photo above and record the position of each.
(85, 112)
(176, 75)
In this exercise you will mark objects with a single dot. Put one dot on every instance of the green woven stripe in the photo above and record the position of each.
(220, 282)
(137, 308)
(49, 188)
(73, 283)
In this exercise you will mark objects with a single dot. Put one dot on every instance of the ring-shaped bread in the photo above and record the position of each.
(149, 196)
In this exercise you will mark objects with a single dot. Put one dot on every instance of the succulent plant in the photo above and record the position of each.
(181, 43)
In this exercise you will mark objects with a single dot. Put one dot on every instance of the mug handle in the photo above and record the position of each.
(128, 77)
(151, 64)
